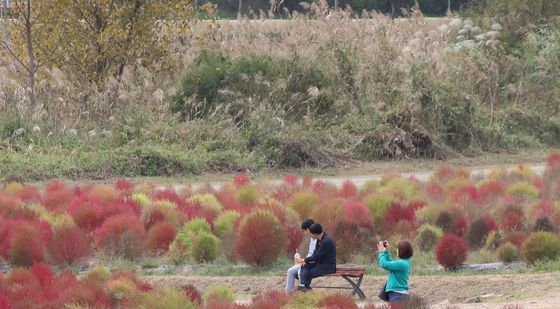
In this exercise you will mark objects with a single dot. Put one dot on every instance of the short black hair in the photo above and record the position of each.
(307, 223)
(316, 229)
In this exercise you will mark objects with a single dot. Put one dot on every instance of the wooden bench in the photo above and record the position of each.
(348, 273)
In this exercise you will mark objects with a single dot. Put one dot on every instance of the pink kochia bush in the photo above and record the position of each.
(24, 242)
(260, 239)
(121, 235)
(160, 236)
(68, 245)
(451, 251)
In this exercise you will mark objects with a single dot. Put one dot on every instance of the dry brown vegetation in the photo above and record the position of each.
(332, 88)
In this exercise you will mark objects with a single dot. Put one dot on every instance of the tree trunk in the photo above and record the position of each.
(239, 12)
(32, 67)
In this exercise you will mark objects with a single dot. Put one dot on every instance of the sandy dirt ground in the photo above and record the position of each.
(531, 291)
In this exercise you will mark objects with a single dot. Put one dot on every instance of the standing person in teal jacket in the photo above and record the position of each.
(399, 269)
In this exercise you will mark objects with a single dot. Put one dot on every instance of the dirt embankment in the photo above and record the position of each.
(534, 291)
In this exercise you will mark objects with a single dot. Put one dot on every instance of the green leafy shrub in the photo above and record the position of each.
(523, 190)
(303, 203)
(541, 246)
(247, 195)
(427, 237)
(165, 298)
(205, 247)
(378, 204)
(508, 252)
(225, 222)
(197, 225)
(218, 292)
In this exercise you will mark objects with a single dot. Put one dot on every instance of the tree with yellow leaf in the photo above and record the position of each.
(107, 35)
(32, 38)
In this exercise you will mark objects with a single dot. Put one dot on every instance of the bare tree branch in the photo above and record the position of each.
(11, 52)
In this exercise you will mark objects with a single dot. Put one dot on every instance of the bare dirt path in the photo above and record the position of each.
(359, 180)
(535, 291)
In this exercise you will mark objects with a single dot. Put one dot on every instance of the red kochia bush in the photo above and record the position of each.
(337, 301)
(396, 213)
(192, 293)
(57, 197)
(68, 245)
(241, 179)
(4, 301)
(260, 238)
(83, 210)
(451, 251)
(160, 236)
(348, 189)
(513, 220)
(121, 235)
(28, 242)
(270, 300)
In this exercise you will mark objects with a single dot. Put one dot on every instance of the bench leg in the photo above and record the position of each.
(356, 286)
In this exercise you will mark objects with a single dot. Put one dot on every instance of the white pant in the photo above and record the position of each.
(291, 277)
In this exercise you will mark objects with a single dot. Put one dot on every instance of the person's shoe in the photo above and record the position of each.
(302, 289)
(309, 288)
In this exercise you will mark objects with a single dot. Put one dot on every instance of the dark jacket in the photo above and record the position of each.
(324, 256)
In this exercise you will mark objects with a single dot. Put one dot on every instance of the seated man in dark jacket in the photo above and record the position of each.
(323, 260)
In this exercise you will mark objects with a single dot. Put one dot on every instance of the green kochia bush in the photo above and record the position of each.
(218, 292)
(541, 246)
(205, 247)
(427, 237)
(507, 252)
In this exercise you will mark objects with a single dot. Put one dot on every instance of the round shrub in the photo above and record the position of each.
(106, 194)
(68, 245)
(121, 235)
(165, 298)
(513, 220)
(260, 238)
(508, 252)
(543, 224)
(160, 236)
(26, 245)
(225, 222)
(378, 204)
(192, 293)
(197, 225)
(270, 300)
(451, 251)
(427, 237)
(446, 222)
(303, 203)
(541, 246)
(247, 195)
(523, 191)
(205, 247)
(337, 301)
(208, 202)
(428, 214)
(477, 233)
(219, 292)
